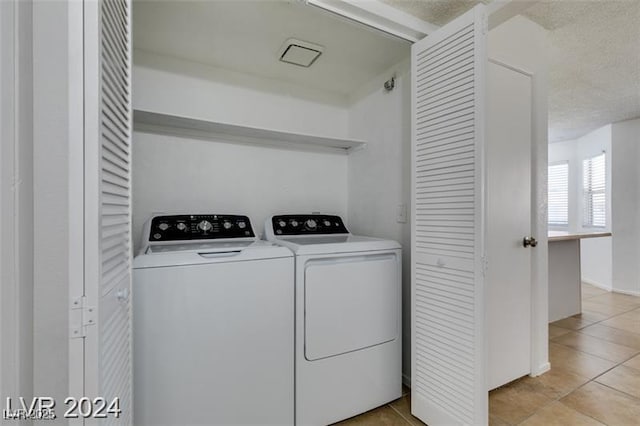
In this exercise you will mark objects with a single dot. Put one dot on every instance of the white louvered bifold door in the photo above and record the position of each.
(107, 73)
(447, 350)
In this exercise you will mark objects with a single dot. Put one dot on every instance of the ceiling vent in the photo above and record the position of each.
(300, 53)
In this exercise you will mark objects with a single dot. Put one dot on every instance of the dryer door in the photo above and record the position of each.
(351, 303)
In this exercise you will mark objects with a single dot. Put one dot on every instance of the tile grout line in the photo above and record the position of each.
(595, 322)
(613, 316)
(617, 364)
(579, 411)
(598, 356)
(399, 413)
(617, 390)
(584, 334)
(594, 379)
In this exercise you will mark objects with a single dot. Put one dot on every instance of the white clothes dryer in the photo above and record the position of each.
(348, 317)
(213, 324)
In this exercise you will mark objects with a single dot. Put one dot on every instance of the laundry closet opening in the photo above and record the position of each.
(225, 122)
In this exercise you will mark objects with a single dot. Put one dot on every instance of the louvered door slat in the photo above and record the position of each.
(443, 101)
(448, 106)
(448, 87)
(108, 90)
(452, 182)
(454, 68)
(431, 134)
(454, 52)
(444, 145)
(116, 31)
(116, 73)
(451, 44)
(448, 224)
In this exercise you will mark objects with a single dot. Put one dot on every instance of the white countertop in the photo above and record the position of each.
(566, 236)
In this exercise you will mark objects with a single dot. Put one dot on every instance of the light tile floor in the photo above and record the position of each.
(594, 379)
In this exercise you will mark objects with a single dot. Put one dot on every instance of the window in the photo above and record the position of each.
(559, 194)
(594, 185)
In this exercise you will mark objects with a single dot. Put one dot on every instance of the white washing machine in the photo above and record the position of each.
(213, 324)
(348, 317)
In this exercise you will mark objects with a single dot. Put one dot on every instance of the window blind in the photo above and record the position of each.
(594, 185)
(558, 195)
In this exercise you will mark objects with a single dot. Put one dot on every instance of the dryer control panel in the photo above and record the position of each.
(199, 227)
(307, 224)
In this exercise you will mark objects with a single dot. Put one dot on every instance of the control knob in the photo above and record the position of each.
(327, 223)
(294, 223)
(181, 226)
(282, 224)
(163, 226)
(227, 225)
(242, 225)
(205, 226)
(310, 224)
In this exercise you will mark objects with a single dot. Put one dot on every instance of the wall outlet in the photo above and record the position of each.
(401, 213)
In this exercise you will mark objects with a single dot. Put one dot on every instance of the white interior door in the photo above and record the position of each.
(508, 279)
(107, 155)
(448, 172)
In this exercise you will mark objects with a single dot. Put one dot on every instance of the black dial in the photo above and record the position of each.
(308, 224)
(199, 227)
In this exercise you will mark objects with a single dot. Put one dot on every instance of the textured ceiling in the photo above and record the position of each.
(595, 57)
(595, 63)
(437, 12)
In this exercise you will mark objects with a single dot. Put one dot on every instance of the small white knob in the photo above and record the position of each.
(181, 226)
(227, 225)
(311, 224)
(242, 225)
(282, 224)
(163, 226)
(294, 223)
(122, 294)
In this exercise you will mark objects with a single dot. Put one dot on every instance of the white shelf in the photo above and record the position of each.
(173, 125)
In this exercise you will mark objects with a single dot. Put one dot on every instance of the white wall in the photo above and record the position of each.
(523, 44)
(379, 175)
(596, 253)
(52, 88)
(183, 175)
(16, 201)
(596, 262)
(625, 141)
(171, 86)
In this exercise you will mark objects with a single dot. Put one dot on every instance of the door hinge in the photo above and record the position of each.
(82, 317)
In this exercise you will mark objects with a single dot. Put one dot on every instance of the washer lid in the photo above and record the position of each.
(199, 246)
(327, 244)
(184, 254)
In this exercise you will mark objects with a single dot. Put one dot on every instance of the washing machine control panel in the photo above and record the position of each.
(307, 224)
(199, 227)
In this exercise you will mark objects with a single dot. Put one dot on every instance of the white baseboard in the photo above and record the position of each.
(610, 289)
(628, 292)
(596, 284)
(541, 369)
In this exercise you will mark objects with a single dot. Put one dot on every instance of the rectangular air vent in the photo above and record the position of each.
(300, 53)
